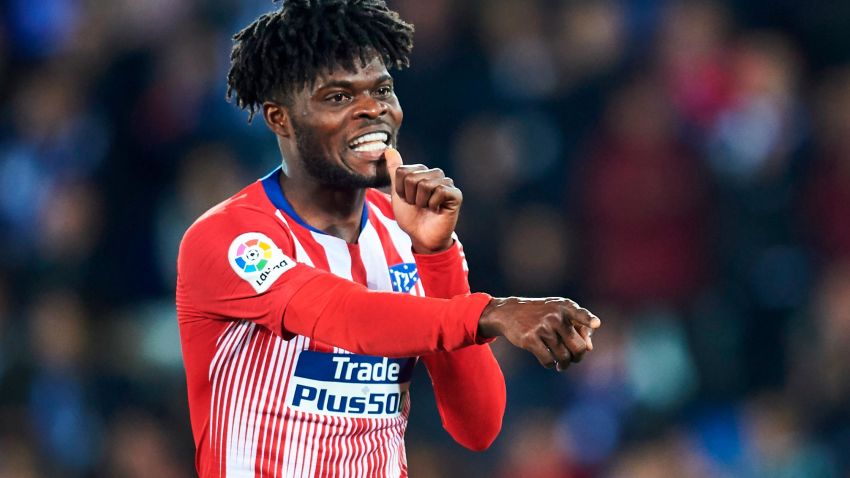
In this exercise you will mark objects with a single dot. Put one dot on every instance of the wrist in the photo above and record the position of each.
(420, 248)
(489, 325)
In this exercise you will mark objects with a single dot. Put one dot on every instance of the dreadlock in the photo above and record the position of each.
(285, 50)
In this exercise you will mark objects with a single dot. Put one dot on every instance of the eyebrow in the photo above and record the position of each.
(349, 85)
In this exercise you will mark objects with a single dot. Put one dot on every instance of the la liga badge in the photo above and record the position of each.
(257, 260)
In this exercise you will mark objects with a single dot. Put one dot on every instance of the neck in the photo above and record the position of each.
(333, 211)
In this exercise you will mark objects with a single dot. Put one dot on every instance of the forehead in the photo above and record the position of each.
(373, 71)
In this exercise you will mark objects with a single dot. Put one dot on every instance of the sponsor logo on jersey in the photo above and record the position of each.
(349, 385)
(256, 259)
(403, 276)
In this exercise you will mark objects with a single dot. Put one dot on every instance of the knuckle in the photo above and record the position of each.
(582, 347)
(554, 319)
(410, 180)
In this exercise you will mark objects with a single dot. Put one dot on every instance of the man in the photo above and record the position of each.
(305, 300)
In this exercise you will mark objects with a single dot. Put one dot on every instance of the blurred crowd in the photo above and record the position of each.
(682, 168)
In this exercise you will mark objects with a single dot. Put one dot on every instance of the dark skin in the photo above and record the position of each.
(344, 105)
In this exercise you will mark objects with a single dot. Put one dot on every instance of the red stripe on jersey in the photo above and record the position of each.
(381, 201)
(358, 270)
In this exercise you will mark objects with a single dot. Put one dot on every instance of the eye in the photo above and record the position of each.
(337, 98)
(384, 91)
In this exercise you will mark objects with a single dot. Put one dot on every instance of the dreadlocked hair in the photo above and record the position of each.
(285, 50)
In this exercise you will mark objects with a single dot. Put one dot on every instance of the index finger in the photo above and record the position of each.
(581, 316)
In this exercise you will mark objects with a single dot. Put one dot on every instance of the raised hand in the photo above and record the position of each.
(556, 330)
(426, 203)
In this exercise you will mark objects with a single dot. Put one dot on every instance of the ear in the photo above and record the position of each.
(277, 119)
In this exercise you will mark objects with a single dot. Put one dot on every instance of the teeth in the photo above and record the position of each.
(371, 146)
(378, 136)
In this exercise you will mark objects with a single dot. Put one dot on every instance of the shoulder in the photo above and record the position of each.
(380, 200)
(246, 213)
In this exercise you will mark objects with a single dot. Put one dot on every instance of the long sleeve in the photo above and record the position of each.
(292, 298)
(468, 383)
(348, 315)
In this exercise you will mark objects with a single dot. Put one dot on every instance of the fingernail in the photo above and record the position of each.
(595, 322)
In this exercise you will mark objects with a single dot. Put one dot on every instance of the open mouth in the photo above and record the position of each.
(370, 142)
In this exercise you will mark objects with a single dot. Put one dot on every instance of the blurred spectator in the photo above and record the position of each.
(660, 368)
(17, 459)
(536, 252)
(693, 54)
(827, 195)
(779, 447)
(208, 174)
(53, 140)
(754, 136)
(513, 33)
(140, 446)
(589, 39)
(536, 450)
(820, 373)
(43, 29)
(672, 454)
(60, 392)
(643, 204)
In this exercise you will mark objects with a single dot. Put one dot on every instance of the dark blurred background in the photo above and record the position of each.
(681, 168)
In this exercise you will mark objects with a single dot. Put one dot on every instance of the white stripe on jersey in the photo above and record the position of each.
(402, 243)
(300, 253)
(374, 260)
(336, 250)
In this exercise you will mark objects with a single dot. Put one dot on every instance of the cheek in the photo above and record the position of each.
(396, 112)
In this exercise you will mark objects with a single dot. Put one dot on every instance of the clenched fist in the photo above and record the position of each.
(426, 203)
(556, 330)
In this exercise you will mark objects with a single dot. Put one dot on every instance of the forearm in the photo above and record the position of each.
(442, 274)
(470, 391)
(468, 383)
(348, 315)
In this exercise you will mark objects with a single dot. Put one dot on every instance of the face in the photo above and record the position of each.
(343, 124)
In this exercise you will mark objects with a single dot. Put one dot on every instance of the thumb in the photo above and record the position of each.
(393, 159)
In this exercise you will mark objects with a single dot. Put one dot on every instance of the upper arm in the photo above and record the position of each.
(238, 264)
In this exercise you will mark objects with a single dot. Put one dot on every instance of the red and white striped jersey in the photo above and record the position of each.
(265, 401)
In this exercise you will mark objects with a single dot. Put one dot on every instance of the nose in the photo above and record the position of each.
(371, 108)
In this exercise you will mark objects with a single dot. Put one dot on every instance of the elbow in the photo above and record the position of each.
(480, 437)
(487, 425)
(483, 440)
(484, 436)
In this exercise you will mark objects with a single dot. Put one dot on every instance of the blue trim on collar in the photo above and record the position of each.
(271, 184)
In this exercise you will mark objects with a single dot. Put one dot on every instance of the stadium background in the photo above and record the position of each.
(680, 168)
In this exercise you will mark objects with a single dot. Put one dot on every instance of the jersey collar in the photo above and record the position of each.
(271, 184)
